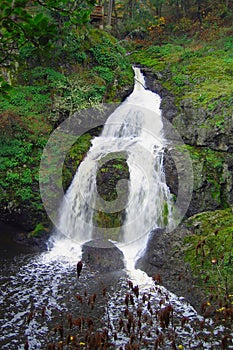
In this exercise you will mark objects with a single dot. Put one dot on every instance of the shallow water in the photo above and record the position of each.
(47, 281)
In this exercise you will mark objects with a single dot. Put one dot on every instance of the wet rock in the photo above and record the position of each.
(124, 92)
(33, 244)
(169, 110)
(210, 136)
(199, 127)
(154, 83)
(22, 215)
(171, 173)
(102, 255)
(212, 178)
(164, 256)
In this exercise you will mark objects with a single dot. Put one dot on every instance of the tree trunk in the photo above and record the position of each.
(130, 6)
(199, 15)
(110, 6)
(115, 12)
(183, 5)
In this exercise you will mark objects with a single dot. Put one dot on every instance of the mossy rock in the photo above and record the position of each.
(39, 231)
(209, 251)
(112, 186)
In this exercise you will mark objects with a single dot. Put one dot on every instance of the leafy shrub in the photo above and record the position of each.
(104, 73)
(109, 54)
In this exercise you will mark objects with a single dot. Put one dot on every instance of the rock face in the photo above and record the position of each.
(102, 256)
(154, 83)
(164, 256)
(202, 128)
(22, 215)
(209, 138)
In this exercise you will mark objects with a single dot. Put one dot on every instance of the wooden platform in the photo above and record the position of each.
(97, 13)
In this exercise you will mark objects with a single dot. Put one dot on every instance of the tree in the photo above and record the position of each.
(158, 5)
(110, 8)
(37, 22)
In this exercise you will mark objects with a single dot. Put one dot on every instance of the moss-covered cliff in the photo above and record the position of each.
(195, 82)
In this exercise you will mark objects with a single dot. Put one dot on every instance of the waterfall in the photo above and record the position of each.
(136, 129)
(48, 281)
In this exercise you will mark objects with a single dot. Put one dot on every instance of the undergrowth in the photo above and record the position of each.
(193, 69)
(209, 251)
(88, 68)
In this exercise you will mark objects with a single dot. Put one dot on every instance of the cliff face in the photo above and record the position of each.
(209, 141)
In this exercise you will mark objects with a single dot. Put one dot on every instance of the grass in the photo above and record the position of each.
(198, 70)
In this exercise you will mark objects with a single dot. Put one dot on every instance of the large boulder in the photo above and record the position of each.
(102, 255)
(164, 257)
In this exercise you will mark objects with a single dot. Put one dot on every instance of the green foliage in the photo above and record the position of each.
(158, 57)
(200, 71)
(209, 250)
(48, 91)
(16, 176)
(46, 77)
(4, 88)
(40, 24)
(104, 73)
(23, 194)
(26, 99)
(164, 51)
(21, 144)
(38, 231)
(109, 54)
(74, 157)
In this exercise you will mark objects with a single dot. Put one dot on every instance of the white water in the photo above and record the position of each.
(135, 128)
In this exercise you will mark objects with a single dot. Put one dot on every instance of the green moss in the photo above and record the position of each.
(165, 214)
(210, 165)
(74, 157)
(209, 250)
(200, 71)
(38, 231)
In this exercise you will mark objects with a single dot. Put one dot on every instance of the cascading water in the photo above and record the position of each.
(135, 128)
(32, 283)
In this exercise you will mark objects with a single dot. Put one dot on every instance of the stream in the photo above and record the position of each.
(43, 305)
(38, 292)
